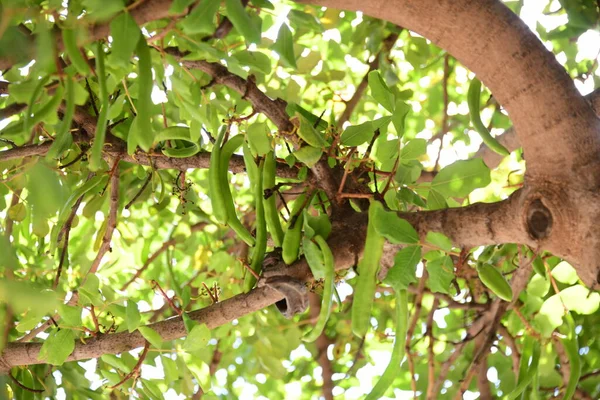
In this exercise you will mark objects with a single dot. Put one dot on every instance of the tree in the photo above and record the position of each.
(123, 229)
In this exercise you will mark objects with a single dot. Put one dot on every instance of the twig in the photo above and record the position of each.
(357, 357)
(79, 157)
(139, 193)
(431, 354)
(346, 170)
(66, 230)
(111, 222)
(510, 341)
(136, 368)
(19, 384)
(168, 300)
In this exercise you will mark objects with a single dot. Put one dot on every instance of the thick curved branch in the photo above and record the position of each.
(494, 43)
(476, 224)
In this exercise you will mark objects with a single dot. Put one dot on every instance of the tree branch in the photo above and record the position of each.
(479, 224)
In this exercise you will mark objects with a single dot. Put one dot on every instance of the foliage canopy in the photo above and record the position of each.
(107, 152)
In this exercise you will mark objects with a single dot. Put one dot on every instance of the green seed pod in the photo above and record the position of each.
(493, 280)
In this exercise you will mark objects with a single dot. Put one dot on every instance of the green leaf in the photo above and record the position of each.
(179, 6)
(550, 315)
(565, 273)
(23, 295)
(57, 347)
(45, 190)
(309, 134)
(70, 315)
(435, 200)
(133, 316)
(314, 257)
(151, 336)
(125, 35)
(407, 173)
(399, 116)
(413, 149)
(201, 19)
(17, 213)
(393, 228)
(284, 46)
(258, 138)
(380, 91)
(441, 274)
(101, 10)
(356, 135)
(242, 22)
(402, 274)
(538, 286)
(439, 240)
(256, 60)
(461, 178)
(579, 299)
(188, 322)
(292, 108)
(316, 225)
(308, 155)
(197, 339)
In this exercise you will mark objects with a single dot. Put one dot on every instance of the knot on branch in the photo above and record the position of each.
(295, 293)
(539, 220)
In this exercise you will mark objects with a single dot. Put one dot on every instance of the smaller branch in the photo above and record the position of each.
(111, 222)
(66, 230)
(225, 26)
(136, 368)
(139, 193)
(19, 384)
(357, 357)
(431, 355)
(510, 341)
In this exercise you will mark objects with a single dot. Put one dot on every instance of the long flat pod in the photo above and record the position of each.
(69, 36)
(258, 254)
(572, 349)
(271, 212)
(145, 133)
(34, 96)
(63, 138)
(103, 114)
(391, 371)
(367, 275)
(473, 97)
(531, 368)
(232, 219)
(293, 234)
(328, 286)
(214, 179)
